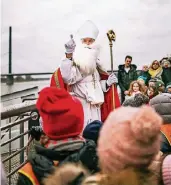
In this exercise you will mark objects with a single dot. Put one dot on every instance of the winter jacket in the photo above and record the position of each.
(124, 78)
(166, 75)
(146, 75)
(42, 161)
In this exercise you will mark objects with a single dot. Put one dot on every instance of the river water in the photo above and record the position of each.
(23, 85)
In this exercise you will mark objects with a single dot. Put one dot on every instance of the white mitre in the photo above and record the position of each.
(88, 30)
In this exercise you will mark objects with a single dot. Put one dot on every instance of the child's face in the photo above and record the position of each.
(150, 92)
(151, 84)
(162, 88)
(44, 139)
(135, 87)
(141, 81)
(169, 90)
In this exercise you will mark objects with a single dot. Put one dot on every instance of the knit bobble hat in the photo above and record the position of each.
(168, 85)
(136, 101)
(166, 170)
(142, 78)
(62, 115)
(159, 83)
(92, 130)
(131, 140)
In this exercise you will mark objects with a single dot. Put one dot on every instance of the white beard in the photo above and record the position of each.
(86, 57)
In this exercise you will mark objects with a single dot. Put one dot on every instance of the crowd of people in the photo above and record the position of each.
(132, 146)
(151, 81)
(87, 136)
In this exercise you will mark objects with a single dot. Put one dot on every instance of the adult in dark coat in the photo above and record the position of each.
(126, 74)
(162, 104)
(166, 75)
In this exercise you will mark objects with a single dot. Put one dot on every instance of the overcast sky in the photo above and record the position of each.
(41, 27)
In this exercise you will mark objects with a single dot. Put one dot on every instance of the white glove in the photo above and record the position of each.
(70, 46)
(112, 79)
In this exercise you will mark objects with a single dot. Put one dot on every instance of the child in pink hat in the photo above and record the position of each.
(130, 137)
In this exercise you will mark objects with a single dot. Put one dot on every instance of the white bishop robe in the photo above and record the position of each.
(88, 89)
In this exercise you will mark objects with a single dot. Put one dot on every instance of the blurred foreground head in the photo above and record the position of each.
(136, 101)
(130, 137)
(68, 174)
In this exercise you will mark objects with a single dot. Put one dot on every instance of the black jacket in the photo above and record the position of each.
(42, 160)
(124, 78)
(166, 75)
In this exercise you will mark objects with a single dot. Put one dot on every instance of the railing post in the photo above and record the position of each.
(9, 164)
(22, 143)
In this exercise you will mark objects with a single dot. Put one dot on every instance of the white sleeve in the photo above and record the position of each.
(102, 82)
(103, 85)
(70, 73)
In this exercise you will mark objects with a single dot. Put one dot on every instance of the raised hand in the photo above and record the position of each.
(70, 46)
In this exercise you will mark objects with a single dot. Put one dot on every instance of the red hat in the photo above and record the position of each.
(62, 114)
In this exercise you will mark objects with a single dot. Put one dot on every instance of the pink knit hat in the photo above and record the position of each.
(166, 170)
(130, 137)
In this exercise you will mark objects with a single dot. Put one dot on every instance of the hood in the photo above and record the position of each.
(162, 104)
(132, 66)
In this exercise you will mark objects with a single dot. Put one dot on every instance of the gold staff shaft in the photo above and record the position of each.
(111, 36)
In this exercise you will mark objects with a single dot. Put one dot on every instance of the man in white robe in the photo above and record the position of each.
(79, 71)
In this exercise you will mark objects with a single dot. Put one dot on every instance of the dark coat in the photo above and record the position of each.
(166, 75)
(42, 160)
(124, 78)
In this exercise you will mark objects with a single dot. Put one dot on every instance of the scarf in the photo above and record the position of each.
(155, 73)
(69, 144)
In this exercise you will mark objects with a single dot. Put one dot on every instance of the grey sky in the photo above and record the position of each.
(41, 27)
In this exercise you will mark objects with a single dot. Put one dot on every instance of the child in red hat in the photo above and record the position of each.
(61, 140)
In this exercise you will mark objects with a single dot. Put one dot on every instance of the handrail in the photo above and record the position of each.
(14, 138)
(14, 154)
(15, 158)
(14, 123)
(15, 110)
(37, 74)
(16, 169)
(23, 74)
